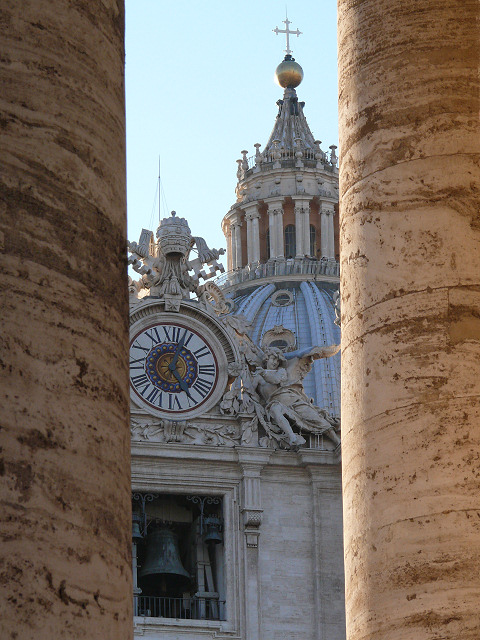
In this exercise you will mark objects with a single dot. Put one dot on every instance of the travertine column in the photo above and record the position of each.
(331, 234)
(279, 232)
(227, 231)
(253, 237)
(249, 238)
(299, 230)
(302, 224)
(237, 244)
(275, 215)
(327, 245)
(65, 553)
(306, 230)
(233, 232)
(409, 182)
(272, 231)
(256, 237)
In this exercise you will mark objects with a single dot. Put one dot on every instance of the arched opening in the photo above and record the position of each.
(290, 241)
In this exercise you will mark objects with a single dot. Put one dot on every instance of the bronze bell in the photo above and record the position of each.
(212, 529)
(136, 533)
(162, 569)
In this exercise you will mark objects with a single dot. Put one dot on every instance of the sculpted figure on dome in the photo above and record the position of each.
(279, 383)
(270, 389)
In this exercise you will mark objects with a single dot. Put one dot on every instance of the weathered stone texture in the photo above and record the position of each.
(410, 260)
(64, 460)
(300, 547)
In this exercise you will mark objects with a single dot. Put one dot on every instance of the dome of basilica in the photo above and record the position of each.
(297, 315)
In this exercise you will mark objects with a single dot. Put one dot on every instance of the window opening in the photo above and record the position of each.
(313, 240)
(290, 241)
(178, 556)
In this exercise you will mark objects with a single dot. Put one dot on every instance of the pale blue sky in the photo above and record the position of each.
(200, 88)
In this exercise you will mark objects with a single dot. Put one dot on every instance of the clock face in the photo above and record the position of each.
(173, 369)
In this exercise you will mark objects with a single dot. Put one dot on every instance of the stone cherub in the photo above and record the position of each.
(279, 383)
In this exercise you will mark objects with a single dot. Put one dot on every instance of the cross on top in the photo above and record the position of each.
(287, 32)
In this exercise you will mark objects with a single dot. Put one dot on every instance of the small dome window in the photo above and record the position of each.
(280, 344)
(282, 298)
(279, 337)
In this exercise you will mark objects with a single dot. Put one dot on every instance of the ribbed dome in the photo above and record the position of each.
(307, 310)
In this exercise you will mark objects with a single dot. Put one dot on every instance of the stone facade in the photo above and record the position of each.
(263, 461)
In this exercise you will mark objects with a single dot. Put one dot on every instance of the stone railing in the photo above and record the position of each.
(297, 266)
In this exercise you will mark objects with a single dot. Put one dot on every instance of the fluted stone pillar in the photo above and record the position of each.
(327, 244)
(227, 230)
(306, 229)
(256, 237)
(65, 553)
(248, 221)
(271, 232)
(410, 260)
(302, 227)
(275, 216)
(253, 235)
(233, 231)
(299, 231)
(236, 243)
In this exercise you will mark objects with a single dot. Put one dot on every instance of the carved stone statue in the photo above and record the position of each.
(272, 391)
(165, 265)
(280, 385)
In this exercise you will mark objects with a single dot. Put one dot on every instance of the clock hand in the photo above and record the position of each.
(182, 383)
(173, 363)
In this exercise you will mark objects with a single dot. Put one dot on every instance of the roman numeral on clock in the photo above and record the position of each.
(135, 345)
(173, 402)
(137, 363)
(206, 369)
(140, 381)
(172, 333)
(202, 386)
(153, 335)
(200, 353)
(153, 395)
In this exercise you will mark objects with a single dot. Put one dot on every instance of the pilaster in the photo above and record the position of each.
(251, 463)
(326, 552)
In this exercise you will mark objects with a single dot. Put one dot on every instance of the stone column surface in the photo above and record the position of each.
(256, 237)
(272, 234)
(248, 220)
(233, 231)
(299, 231)
(410, 265)
(306, 228)
(279, 232)
(237, 244)
(324, 230)
(65, 525)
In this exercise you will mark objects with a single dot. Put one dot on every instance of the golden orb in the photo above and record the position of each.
(289, 73)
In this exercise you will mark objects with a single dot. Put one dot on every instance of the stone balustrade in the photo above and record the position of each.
(302, 266)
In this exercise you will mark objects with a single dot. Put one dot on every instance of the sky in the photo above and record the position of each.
(200, 88)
